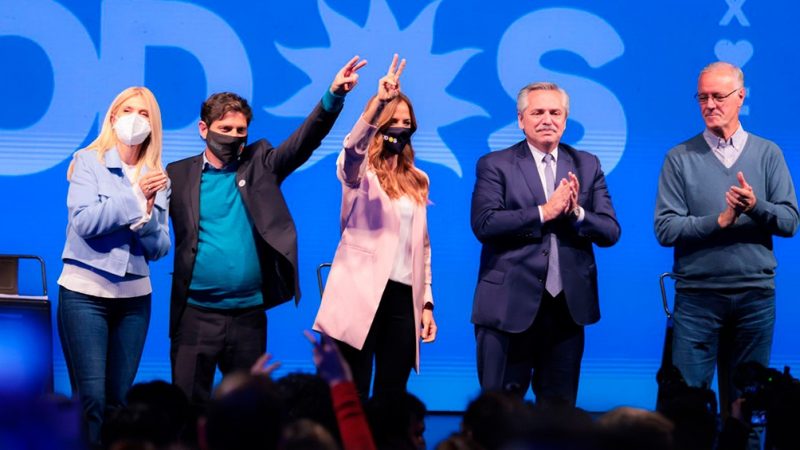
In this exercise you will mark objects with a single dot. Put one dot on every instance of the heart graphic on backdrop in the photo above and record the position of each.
(737, 54)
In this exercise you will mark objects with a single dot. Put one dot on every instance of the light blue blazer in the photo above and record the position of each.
(102, 208)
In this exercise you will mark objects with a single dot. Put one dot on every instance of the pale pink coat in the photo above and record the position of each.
(366, 251)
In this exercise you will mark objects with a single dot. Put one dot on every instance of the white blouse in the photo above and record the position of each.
(401, 269)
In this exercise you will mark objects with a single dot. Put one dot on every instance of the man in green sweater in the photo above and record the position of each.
(722, 195)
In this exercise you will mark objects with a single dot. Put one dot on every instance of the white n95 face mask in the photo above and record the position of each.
(132, 129)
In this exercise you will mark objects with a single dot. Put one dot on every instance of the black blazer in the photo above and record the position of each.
(514, 257)
(262, 169)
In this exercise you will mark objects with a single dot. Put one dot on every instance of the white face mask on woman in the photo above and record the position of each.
(132, 129)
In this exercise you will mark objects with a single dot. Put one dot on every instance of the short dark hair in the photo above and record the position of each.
(221, 103)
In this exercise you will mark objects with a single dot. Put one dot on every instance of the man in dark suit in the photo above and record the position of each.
(537, 208)
(235, 241)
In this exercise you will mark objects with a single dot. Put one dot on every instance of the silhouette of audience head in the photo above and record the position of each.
(307, 396)
(247, 412)
(305, 434)
(626, 428)
(397, 420)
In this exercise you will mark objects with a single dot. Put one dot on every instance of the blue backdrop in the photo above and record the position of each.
(630, 68)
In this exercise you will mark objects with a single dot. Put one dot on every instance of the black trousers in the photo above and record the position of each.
(391, 342)
(547, 355)
(205, 339)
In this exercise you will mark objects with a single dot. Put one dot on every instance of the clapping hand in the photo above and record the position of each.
(347, 78)
(152, 182)
(574, 189)
(558, 204)
(741, 198)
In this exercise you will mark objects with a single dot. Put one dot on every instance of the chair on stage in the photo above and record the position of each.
(724, 377)
(26, 344)
(322, 271)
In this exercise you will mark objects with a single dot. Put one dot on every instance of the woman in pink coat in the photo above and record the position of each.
(377, 301)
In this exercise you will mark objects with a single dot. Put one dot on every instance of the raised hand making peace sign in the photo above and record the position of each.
(347, 78)
(389, 85)
(388, 90)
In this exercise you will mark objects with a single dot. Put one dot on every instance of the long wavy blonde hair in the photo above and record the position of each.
(404, 178)
(150, 150)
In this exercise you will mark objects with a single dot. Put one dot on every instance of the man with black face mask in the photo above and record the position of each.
(235, 241)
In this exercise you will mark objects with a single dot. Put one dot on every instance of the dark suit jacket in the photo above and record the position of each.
(261, 171)
(514, 258)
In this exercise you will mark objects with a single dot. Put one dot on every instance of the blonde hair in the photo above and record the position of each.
(150, 150)
(404, 178)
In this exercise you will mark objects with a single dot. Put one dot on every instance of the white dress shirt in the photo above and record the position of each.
(727, 152)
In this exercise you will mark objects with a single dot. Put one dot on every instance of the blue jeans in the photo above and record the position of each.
(746, 318)
(102, 340)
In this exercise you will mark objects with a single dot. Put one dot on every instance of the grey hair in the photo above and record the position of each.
(725, 66)
(522, 97)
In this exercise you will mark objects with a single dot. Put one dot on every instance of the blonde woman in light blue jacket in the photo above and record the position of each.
(117, 202)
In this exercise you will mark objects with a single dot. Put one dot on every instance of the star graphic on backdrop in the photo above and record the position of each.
(425, 79)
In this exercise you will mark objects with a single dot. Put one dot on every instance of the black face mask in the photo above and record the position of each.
(395, 139)
(224, 147)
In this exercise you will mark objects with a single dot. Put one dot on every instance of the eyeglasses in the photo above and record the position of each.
(718, 98)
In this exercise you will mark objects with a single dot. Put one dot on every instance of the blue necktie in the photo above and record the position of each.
(553, 281)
